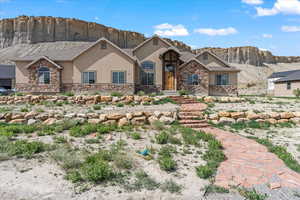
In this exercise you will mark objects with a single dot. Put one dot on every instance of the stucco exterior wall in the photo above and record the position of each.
(210, 61)
(281, 88)
(67, 72)
(22, 74)
(150, 52)
(103, 61)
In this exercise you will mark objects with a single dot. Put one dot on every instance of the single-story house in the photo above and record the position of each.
(154, 65)
(286, 85)
(7, 76)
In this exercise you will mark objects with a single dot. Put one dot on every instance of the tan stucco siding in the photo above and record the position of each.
(150, 52)
(67, 72)
(210, 61)
(22, 74)
(233, 77)
(281, 88)
(103, 61)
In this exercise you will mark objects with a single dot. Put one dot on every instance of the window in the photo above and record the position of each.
(89, 77)
(103, 45)
(193, 79)
(44, 75)
(118, 77)
(222, 79)
(288, 85)
(147, 73)
(205, 56)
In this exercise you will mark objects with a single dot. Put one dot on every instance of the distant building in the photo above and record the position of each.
(7, 76)
(284, 83)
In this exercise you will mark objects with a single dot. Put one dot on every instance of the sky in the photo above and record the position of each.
(272, 25)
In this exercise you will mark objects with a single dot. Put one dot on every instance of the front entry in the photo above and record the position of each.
(169, 77)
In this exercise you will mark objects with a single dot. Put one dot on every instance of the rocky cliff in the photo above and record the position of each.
(28, 30)
(249, 55)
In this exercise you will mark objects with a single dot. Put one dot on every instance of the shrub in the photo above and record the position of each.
(97, 107)
(141, 93)
(23, 148)
(215, 189)
(120, 105)
(167, 163)
(122, 161)
(83, 130)
(158, 125)
(60, 139)
(68, 94)
(73, 176)
(162, 138)
(204, 171)
(96, 171)
(67, 158)
(136, 136)
(171, 186)
(297, 92)
(252, 194)
(164, 101)
(183, 92)
(116, 94)
(143, 181)
(24, 110)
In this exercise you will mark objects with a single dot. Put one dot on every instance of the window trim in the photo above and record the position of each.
(82, 77)
(147, 72)
(192, 80)
(38, 75)
(216, 79)
(125, 77)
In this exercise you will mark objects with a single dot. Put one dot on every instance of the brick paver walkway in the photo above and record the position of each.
(248, 163)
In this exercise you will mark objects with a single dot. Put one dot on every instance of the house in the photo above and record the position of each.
(7, 76)
(286, 85)
(154, 65)
(276, 76)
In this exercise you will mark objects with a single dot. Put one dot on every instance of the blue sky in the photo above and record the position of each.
(268, 24)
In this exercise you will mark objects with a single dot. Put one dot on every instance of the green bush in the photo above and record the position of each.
(136, 136)
(96, 171)
(297, 92)
(204, 171)
(122, 161)
(68, 94)
(164, 101)
(116, 94)
(97, 107)
(171, 187)
(141, 93)
(143, 181)
(183, 92)
(167, 163)
(162, 138)
(120, 105)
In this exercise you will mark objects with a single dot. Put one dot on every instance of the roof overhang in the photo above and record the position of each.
(45, 58)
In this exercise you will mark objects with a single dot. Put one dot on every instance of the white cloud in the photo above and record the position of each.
(290, 28)
(167, 29)
(96, 18)
(217, 32)
(281, 6)
(253, 2)
(265, 35)
(5, 1)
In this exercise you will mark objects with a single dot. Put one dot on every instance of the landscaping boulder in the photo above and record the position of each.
(31, 115)
(236, 115)
(17, 121)
(287, 115)
(224, 114)
(226, 120)
(102, 117)
(138, 120)
(50, 121)
(31, 121)
(94, 121)
(115, 116)
(252, 116)
(166, 120)
(122, 122)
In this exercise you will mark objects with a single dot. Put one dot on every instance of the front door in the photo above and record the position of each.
(169, 78)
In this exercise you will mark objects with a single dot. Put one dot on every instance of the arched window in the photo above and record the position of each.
(147, 73)
(44, 75)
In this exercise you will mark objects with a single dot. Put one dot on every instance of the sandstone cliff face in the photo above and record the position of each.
(248, 55)
(28, 30)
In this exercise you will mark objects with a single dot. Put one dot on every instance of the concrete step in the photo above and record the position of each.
(197, 113)
(191, 121)
(189, 117)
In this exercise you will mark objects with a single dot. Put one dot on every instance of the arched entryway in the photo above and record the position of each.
(171, 63)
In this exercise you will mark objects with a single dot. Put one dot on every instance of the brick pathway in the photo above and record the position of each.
(248, 163)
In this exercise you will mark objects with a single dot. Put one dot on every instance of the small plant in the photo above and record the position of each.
(146, 104)
(97, 107)
(136, 136)
(96, 171)
(24, 110)
(143, 181)
(171, 186)
(183, 92)
(215, 189)
(165, 158)
(116, 94)
(162, 138)
(141, 93)
(60, 139)
(120, 105)
(68, 94)
(252, 194)
(204, 171)
(122, 161)
(158, 125)
(297, 92)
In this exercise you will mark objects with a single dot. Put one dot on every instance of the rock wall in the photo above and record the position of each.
(249, 55)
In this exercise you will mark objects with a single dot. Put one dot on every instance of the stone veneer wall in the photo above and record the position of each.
(149, 88)
(194, 68)
(33, 85)
(223, 90)
(99, 87)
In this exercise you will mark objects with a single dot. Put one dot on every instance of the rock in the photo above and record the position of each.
(70, 115)
(81, 115)
(42, 116)
(115, 116)
(106, 99)
(137, 114)
(296, 114)
(275, 185)
(138, 120)
(31, 115)
(209, 99)
(92, 115)
(80, 120)
(110, 122)
(17, 116)
(146, 99)
(213, 117)
(102, 117)
(295, 120)
(263, 116)
(97, 99)
(260, 120)
(272, 121)
(226, 120)
(242, 120)
(224, 100)
(115, 99)
(17, 121)
(129, 116)
(236, 115)
(157, 114)
(224, 114)
(167, 114)
(50, 121)
(274, 115)
(122, 122)
(283, 121)
(152, 119)
(94, 121)
(31, 121)
(166, 120)
(287, 115)
(252, 116)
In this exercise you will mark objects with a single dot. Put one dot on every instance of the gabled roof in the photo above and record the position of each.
(282, 74)
(46, 58)
(193, 59)
(146, 41)
(215, 56)
(295, 76)
(7, 71)
(112, 44)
